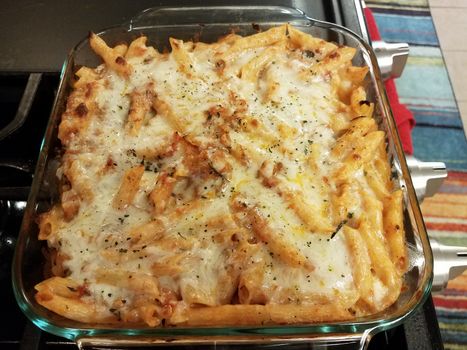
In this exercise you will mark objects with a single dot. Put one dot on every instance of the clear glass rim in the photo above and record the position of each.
(367, 325)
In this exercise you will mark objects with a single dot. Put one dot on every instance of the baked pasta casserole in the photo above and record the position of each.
(241, 182)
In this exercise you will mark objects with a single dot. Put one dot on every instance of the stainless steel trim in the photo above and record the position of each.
(427, 177)
(359, 6)
(450, 262)
(392, 57)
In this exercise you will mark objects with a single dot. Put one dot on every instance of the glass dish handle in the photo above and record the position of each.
(216, 14)
(354, 341)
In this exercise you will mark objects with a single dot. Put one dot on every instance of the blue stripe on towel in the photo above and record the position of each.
(436, 117)
(449, 313)
(411, 29)
(434, 91)
(454, 336)
(441, 144)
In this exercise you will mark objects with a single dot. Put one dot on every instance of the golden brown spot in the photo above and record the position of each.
(120, 60)
(81, 110)
(109, 164)
(44, 297)
(278, 167)
(88, 92)
(225, 140)
(220, 66)
(70, 204)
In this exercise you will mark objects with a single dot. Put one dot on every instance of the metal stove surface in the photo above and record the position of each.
(26, 100)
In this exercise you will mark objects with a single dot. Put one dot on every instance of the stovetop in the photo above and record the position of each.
(26, 99)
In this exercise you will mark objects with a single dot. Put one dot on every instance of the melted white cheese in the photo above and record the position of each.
(298, 116)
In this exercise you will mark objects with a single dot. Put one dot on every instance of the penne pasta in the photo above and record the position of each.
(358, 128)
(128, 187)
(266, 38)
(274, 240)
(113, 58)
(375, 181)
(70, 204)
(146, 233)
(394, 230)
(85, 76)
(380, 260)
(243, 182)
(251, 71)
(140, 105)
(138, 49)
(360, 155)
(49, 223)
(359, 103)
(361, 265)
(244, 315)
(308, 42)
(137, 282)
(59, 295)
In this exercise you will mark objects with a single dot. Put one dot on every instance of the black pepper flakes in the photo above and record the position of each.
(342, 223)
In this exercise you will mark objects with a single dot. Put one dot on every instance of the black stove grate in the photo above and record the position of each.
(26, 102)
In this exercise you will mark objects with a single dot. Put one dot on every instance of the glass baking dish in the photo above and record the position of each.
(208, 24)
